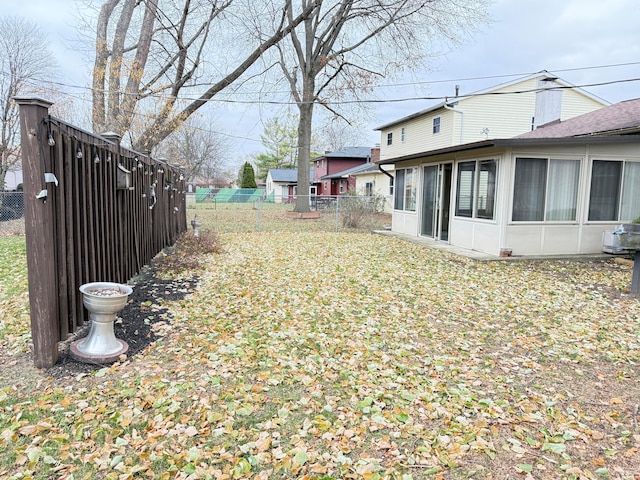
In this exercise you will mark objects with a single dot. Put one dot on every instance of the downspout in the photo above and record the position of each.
(447, 107)
(385, 172)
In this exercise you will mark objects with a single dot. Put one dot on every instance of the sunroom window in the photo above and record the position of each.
(405, 189)
(476, 193)
(613, 196)
(545, 190)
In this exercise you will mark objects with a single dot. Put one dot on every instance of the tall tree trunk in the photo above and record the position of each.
(304, 153)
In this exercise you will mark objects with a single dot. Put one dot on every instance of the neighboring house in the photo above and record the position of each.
(215, 183)
(13, 177)
(282, 184)
(332, 171)
(373, 180)
(494, 113)
(556, 190)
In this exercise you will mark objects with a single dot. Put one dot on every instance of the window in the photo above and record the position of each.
(405, 189)
(368, 189)
(464, 194)
(398, 199)
(545, 190)
(389, 138)
(403, 134)
(476, 194)
(486, 189)
(436, 125)
(390, 185)
(613, 196)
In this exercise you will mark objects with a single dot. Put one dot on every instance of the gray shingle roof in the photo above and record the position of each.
(289, 175)
(347, 172)
(348, 152)
(619, 118)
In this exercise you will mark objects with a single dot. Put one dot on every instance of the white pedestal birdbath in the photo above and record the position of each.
(103, 300)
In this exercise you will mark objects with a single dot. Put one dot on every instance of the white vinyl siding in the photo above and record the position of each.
(505, 115)
(421, 138)
(574, 104)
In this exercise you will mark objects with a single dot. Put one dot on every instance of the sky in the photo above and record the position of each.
(584, 42)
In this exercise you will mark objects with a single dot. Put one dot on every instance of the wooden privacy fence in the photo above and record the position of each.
(94, 211)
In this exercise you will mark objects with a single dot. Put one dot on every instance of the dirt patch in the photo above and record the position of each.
(142, 321)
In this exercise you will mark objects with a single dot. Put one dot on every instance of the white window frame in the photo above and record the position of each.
(406, 192)
(475, 202)
(549, 188)
(625, 189)
(437, 122)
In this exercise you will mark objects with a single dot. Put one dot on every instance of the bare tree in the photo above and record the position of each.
(337, 133)
(26, 65)
(198, 148)
(159, 53)
(344, 47)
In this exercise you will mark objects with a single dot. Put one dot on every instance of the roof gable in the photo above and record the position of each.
(497, 89)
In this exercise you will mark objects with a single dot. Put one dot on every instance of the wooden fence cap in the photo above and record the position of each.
(32, 100)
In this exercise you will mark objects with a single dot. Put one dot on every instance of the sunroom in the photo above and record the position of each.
(520, 196)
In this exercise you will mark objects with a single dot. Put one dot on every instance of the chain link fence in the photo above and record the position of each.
(11, 213)
(325, 213)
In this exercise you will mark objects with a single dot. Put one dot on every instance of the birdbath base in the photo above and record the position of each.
(103, 300)
(87, 358)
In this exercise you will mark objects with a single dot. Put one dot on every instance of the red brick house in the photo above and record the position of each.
(331, 170)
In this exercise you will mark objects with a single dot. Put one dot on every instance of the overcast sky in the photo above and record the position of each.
(581, 41)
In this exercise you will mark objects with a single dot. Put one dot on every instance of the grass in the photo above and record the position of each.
(14, 301)
(307, 352)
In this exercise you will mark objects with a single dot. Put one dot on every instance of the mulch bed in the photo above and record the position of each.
(136, 324)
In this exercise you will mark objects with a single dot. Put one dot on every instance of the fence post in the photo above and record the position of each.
(40, 231)
(337, 212)
(259, 211)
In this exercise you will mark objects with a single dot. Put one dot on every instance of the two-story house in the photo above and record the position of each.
(333, 171)
(555, 190)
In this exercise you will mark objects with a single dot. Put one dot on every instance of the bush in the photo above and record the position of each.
(189, 251)
(359, 212)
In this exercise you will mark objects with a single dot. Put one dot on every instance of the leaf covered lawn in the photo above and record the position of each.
(354, 356)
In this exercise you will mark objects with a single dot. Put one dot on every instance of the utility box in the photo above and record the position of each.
(629, 235)
(611, 243)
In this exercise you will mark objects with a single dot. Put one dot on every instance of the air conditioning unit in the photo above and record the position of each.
(611, 243)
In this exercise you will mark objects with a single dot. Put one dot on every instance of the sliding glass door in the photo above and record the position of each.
(436, 201)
